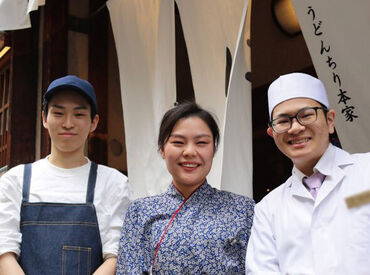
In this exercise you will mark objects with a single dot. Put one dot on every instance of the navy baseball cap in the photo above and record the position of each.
(72, 82)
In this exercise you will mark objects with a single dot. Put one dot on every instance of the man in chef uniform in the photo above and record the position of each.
(63, 214)
(318, 221)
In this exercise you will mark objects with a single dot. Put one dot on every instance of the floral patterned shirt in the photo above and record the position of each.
(208, 235)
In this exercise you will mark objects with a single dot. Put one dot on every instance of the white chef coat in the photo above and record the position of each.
(294, 234)
(53, 184)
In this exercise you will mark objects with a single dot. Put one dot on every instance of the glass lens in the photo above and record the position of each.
(281, 124)
(306, 116)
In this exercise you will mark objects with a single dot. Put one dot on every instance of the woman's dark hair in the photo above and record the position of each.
(185, 110)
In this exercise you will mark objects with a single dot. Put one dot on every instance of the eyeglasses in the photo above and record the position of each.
(304, 116)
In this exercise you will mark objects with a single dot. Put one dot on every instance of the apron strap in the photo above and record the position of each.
(26, 182)
(91, 183)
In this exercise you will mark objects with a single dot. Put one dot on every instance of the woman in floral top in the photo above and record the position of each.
(192, 228)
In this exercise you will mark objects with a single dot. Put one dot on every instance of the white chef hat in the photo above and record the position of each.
(295, 85)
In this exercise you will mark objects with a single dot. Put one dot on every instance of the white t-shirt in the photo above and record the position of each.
(53, 184)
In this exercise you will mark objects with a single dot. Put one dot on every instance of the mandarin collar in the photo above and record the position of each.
(203, 190)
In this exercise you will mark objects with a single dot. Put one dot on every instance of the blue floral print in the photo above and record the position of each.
(209, 234)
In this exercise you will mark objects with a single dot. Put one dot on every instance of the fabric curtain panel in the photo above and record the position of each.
(14, 13)
(34, 5)
(211, 29)
(237, 165)
(145, 41)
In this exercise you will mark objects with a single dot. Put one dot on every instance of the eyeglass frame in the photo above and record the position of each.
(270, 124)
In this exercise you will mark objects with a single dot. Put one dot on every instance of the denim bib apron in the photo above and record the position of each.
(59, 238)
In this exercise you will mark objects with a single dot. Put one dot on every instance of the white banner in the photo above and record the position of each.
(237, 168)
(210, 27)
(337, 33)
(145, 41)
(13, 15)
(34, 5)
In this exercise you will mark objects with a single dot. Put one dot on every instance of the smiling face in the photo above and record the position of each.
(68, 122)
(304, 145)
(188, 153)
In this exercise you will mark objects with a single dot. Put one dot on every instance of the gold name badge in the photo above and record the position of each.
(358, 199)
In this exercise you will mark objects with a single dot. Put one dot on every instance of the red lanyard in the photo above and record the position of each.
(164, 233)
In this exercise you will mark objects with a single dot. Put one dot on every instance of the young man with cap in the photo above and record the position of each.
(311, 224)
(63, 214)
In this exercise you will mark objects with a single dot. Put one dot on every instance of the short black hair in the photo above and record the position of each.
(45, 104)
(185, 110)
